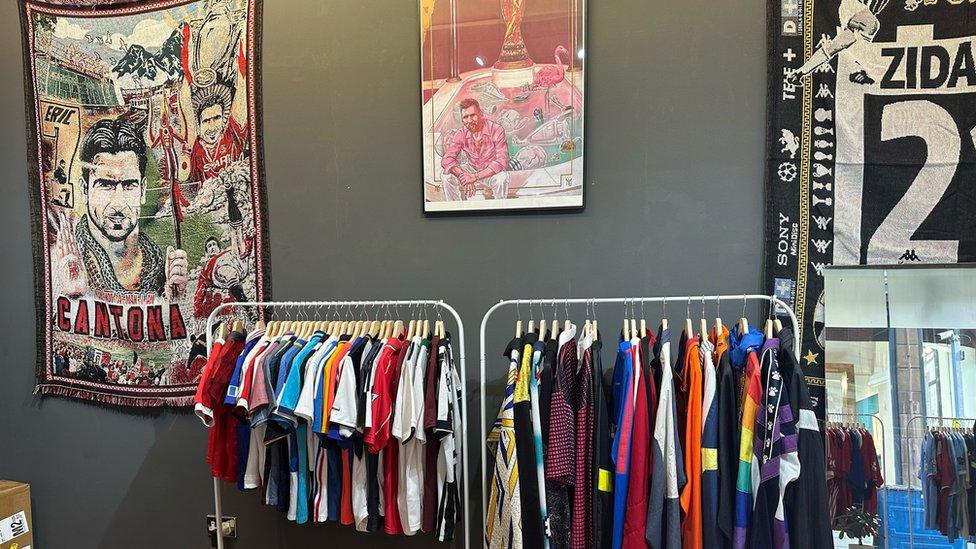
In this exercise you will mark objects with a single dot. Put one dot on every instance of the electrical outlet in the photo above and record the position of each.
(229, 528)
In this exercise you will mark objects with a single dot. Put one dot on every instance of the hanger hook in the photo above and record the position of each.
(642, 309)
(566, 307)
(518, 311)
(689, 308)
(703, 305)
(718, 307)
(743, 305)
(664, 312)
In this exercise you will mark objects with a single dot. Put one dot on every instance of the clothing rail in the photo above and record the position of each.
(913, 419)
(772, 300)
(884, 440)
(437, 304)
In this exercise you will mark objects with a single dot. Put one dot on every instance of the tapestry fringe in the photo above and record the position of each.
(114, 400)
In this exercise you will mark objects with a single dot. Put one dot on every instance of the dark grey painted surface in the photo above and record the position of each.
(673, 205)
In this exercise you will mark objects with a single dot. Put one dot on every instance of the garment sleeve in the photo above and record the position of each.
(500, 146)
(444, 425)
(202, 403)
(419, 376)
(450, 160)
(343, 412)
(403, 411)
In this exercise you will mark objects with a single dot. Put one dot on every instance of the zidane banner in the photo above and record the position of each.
(146, 187)
(871, 159)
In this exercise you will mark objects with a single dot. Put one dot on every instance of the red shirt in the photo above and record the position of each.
(222, 440)
(378, 437)
(201, 399)
(638, 485)
(231, 147)
(872, 472)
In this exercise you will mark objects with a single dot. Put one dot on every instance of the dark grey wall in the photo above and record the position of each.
(673, 205)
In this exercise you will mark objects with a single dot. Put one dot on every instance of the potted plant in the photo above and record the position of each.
(856, 523)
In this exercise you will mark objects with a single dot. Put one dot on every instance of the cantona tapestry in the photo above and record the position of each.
(146, 186)
(870, 145)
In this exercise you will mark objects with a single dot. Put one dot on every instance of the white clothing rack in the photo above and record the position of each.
(908, 426)
(437, 304)
(857, 416)
(772, 300)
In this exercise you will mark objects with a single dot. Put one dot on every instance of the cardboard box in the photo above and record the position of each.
(15, 515)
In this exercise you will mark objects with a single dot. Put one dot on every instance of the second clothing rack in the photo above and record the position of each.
(773, 301)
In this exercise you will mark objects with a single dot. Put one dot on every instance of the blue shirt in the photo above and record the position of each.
(623, 381)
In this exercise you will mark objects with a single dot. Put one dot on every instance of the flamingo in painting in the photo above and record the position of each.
(550, 75)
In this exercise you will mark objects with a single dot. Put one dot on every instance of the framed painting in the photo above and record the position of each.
(503, 107)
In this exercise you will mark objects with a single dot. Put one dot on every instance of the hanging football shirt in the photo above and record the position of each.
(583, 501)
(806, 499)
(635, 513)
(202, 405)
(538, 348)
(560, 465)
(668, 477)
(403, 427)
(450, 432)
(429, 519)
(774, 449)
(727, 390)
(533, 531)
(602, 480)
(622, 425)
(751, 399)
(503, 519)
(709, 448)
(691, 525)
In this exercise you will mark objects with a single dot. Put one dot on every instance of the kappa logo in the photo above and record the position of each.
(821, 245)
(909, 255)
(822, 222)
(790, 142)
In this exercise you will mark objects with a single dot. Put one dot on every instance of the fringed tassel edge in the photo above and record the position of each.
(114, 400)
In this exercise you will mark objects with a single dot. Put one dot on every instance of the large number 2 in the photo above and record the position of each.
(919, 118)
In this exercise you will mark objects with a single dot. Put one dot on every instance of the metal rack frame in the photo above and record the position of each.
(884, 438)
(772, 300)
(437, 304)
(913, 419)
